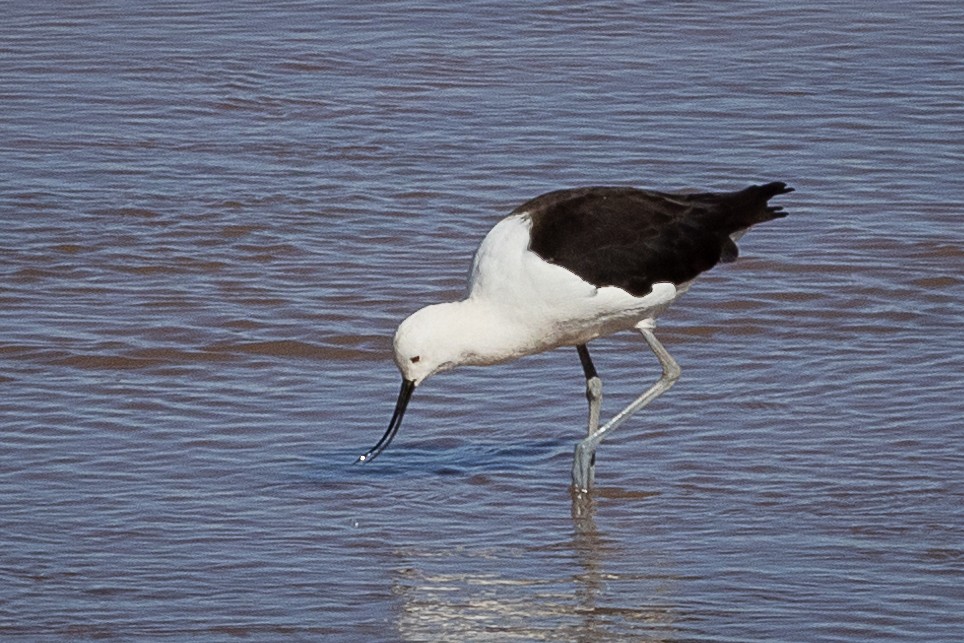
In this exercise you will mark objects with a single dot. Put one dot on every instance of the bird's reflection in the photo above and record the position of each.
(558, 590)
(587, 547)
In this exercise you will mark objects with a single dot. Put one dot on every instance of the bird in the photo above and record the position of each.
(568, 267)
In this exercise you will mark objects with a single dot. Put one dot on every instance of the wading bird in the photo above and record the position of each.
(572, 265)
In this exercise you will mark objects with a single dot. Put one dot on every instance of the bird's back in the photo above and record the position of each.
(632, 238)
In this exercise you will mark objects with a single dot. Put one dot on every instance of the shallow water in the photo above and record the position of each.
(214, 218)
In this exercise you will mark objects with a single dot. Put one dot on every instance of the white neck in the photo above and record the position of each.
(473, 332)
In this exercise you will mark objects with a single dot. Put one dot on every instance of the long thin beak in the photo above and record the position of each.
(404, 396)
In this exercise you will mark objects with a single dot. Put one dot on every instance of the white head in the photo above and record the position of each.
(427, 342)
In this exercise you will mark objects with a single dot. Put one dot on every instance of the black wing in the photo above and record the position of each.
(631, 238)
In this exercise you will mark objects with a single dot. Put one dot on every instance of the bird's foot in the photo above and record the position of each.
(584, 466)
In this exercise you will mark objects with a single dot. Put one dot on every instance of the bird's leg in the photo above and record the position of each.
(585, 456)
(594, 397)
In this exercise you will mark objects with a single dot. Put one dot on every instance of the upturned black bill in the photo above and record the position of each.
(404, 396)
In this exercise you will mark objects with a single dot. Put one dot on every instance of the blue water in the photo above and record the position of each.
(214, 217)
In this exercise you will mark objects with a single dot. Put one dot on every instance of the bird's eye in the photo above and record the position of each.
(415, 359)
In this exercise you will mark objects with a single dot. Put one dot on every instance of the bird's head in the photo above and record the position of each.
(423, 343)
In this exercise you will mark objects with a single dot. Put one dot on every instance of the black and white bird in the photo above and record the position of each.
(572, 265)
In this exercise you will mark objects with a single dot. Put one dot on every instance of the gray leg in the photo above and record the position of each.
(594, 397)
(585, 455)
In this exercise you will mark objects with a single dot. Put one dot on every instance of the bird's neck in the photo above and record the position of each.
(479, 334)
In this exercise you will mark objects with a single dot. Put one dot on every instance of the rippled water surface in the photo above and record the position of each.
(214, 215)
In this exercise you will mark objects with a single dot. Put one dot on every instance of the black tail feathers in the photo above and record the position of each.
(750, 206)
(770, 190)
